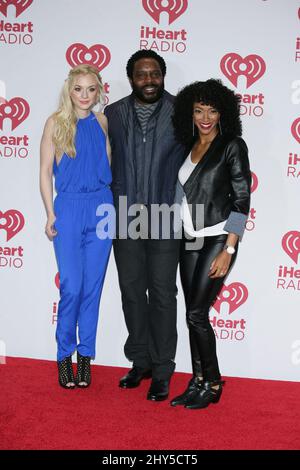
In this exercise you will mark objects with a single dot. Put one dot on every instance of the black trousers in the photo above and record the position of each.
(200, 291)
(147, 277)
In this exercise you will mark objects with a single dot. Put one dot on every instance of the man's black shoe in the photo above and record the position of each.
(134, 377)
(159, 390)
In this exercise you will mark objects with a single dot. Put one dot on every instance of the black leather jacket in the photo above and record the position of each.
(221, 181)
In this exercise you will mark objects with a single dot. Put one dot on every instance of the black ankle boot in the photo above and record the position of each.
(65, 373)
(192, 389)
(205, 395)
(83, 371)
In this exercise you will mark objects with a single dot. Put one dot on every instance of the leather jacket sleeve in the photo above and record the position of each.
(240, 175)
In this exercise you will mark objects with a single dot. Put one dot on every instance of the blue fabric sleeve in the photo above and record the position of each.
(236, 223)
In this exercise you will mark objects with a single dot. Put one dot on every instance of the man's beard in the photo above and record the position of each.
(138, 93)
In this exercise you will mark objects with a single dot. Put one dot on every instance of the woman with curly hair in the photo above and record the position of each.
(216, 178)
(75, 148)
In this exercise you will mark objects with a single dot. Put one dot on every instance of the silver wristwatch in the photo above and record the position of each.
(229, 249)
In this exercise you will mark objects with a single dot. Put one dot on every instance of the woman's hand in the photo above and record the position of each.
(50, 229)
(220, 265)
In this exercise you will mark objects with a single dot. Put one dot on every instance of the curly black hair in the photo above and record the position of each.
(145, 54)
(212, 92)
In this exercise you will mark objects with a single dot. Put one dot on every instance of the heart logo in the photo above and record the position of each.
(235, 295)
(17, 110)
(233, 65)
(291, 244)
(13, 223)
(254, 183)
(97, 55)
(296, 130)
(57, 281)
(21, 5)
(175, 8)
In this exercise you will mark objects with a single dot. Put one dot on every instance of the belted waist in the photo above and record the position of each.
(85, 196)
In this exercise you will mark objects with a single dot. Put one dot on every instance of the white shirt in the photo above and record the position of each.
(184, 173)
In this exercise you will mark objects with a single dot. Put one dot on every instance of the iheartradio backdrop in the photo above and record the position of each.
(257, 316)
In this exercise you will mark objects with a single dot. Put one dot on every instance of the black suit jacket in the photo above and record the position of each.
(167, 153)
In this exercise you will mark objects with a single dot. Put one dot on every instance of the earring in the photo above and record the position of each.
(220, 128)
(193, 124)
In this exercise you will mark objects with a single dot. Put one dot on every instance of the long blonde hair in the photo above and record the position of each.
(65, 118)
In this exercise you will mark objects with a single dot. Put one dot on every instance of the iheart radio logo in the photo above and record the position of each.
(17, 110)
(21, 5)
(254, 183)
(175, 8)
(296, 130)
(57, 281)
(233, 65)
(291, 244)
(13, 223)
(97, 55)
(235, 295)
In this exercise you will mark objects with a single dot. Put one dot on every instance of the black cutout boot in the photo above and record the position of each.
(189, 393)
(83, 371)
(206, 394)
(65, 373)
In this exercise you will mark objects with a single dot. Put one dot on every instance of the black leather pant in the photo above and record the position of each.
(200, 291)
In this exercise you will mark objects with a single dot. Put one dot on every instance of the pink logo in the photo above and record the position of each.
(175, 8)
(97, 55)
(21, 5)
(17, 110)
(296, 130)
(56, 280)
(291, 244)
(13, 223)
(233, 65)
(254, 182)
(235, 295)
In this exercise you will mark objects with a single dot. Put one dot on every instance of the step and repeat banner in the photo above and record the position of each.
(254, 47)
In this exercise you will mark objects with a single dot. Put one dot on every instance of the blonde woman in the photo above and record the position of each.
(75, 148)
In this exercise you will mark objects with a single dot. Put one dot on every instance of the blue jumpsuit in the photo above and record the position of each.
(82, 184)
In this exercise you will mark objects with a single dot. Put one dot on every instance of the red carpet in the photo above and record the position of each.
(35, 413)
